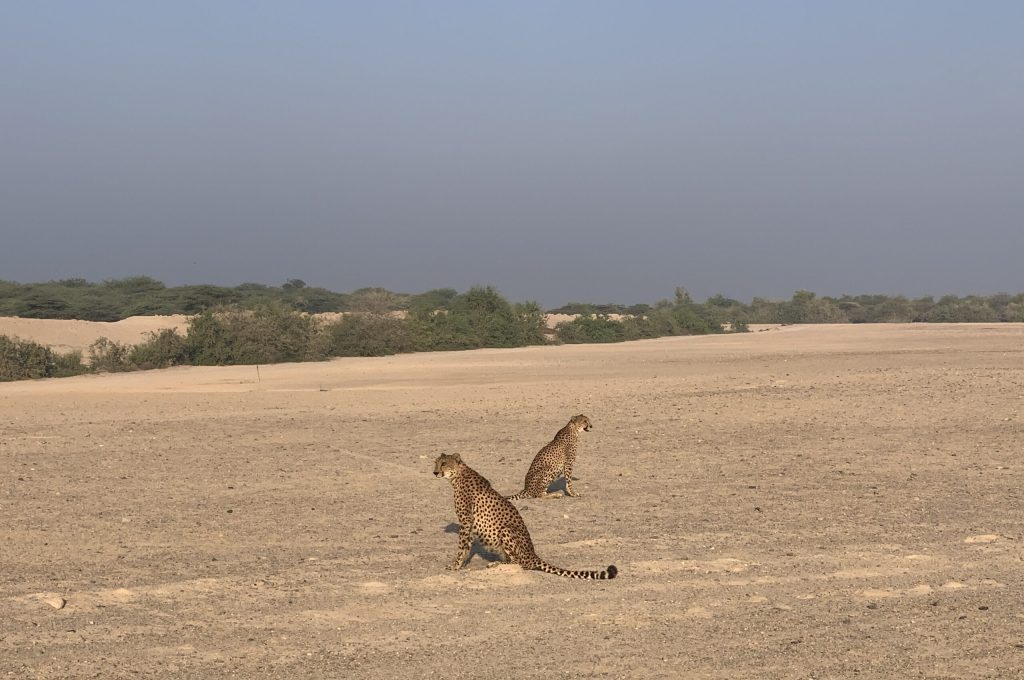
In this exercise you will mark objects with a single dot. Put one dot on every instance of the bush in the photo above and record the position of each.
(592, 328)
(163, 349)
(805, 307)
(432, 301)
(951, 309)
(378, 301)
(265, 335)
(21, 359)
(24, 360)
(477, 318)
(110, 356)
(370, 335)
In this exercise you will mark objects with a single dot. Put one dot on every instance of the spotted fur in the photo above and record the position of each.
(555, 460)
(484, 514)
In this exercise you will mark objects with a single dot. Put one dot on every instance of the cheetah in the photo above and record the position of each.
(483, 513)
(554, 460)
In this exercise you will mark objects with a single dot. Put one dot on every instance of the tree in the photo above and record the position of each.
(375, 301)
(805, 307)
(432, 301)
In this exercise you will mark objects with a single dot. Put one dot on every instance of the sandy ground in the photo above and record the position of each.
(816, 501)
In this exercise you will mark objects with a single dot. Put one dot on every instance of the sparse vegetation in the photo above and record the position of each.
(257, 324)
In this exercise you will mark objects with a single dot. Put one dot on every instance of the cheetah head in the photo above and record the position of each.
(446, 465)
(581, 422)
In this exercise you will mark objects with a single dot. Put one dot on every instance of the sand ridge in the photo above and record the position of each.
(64, 336)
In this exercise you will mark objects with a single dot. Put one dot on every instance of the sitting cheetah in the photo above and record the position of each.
(554, 460)
(483, 513)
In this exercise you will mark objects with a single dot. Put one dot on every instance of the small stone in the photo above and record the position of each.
(56, 602)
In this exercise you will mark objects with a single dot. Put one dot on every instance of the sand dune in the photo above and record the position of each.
(66, 336)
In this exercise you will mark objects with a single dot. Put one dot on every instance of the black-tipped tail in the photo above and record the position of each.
(607, 574)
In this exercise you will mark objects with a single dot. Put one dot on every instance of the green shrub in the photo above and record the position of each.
(24, 360)
(370, 335)
(162, 349)
(432, 301)
(477, 318)
(107, 355)
(265, 335)
(806, 307)
(68, 364)
(378, 301)
(951, 309)
(589, 328)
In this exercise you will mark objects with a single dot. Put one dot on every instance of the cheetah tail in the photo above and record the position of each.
(608, 573)
(515, 497)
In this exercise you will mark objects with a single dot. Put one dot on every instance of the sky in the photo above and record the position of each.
(576, 150)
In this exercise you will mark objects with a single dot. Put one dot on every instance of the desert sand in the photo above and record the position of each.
(67, 336)
(811, 501)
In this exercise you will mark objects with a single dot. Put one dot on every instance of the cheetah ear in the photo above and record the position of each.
(457, 457)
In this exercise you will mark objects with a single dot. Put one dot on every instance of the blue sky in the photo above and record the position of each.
(597, 151)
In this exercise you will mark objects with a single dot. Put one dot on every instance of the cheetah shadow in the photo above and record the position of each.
(559, 485)
(477, 548)
(554, 487)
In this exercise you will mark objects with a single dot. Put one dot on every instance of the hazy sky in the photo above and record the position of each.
(574, 150)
